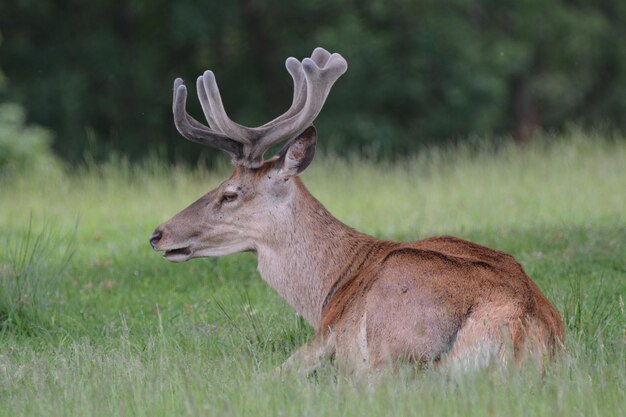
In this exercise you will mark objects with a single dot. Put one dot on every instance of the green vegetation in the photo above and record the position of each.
(123, 332)
(99, 73)
(30, 279)
(23, 148)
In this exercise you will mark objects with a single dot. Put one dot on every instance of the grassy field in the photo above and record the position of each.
(115, 330)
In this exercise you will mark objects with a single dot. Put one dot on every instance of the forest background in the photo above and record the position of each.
(98, 74)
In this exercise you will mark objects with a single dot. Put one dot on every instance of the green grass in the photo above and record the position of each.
(29, 278)
(123, 332)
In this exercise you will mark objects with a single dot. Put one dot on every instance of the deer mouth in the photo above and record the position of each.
(178, 255)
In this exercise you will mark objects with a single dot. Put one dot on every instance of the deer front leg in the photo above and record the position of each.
(310, 357)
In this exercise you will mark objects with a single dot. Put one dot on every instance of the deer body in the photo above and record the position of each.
(372, 302)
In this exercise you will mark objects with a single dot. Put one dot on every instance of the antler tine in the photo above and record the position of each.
(195, 131)
(204, 102)
(320, 56)
(319, 81)
(294, 67)
(223, 123)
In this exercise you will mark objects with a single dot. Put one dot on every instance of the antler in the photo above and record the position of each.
(312, 78)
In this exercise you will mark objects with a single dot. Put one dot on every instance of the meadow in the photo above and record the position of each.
(94, 323)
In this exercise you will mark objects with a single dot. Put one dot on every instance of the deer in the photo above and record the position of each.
(374, 303)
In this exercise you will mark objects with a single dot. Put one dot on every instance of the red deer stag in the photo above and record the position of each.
(436, 301)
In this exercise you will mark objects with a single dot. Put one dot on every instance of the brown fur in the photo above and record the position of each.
(442, 295)
(441, 301)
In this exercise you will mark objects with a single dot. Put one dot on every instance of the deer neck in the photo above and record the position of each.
(307, 253)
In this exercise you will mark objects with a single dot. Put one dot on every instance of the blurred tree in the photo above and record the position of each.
(99, 73)
(23, 149)
(557, 56)
(2, 80)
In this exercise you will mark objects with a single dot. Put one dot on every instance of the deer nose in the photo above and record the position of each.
(154, 239)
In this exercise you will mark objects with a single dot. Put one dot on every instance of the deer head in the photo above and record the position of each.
(259, 194)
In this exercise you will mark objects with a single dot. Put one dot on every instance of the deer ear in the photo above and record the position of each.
(297, 154)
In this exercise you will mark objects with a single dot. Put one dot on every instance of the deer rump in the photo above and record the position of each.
(438, 301)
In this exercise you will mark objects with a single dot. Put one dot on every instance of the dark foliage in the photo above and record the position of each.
(99, 73)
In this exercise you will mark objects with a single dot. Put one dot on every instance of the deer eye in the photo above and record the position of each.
(229, 197)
